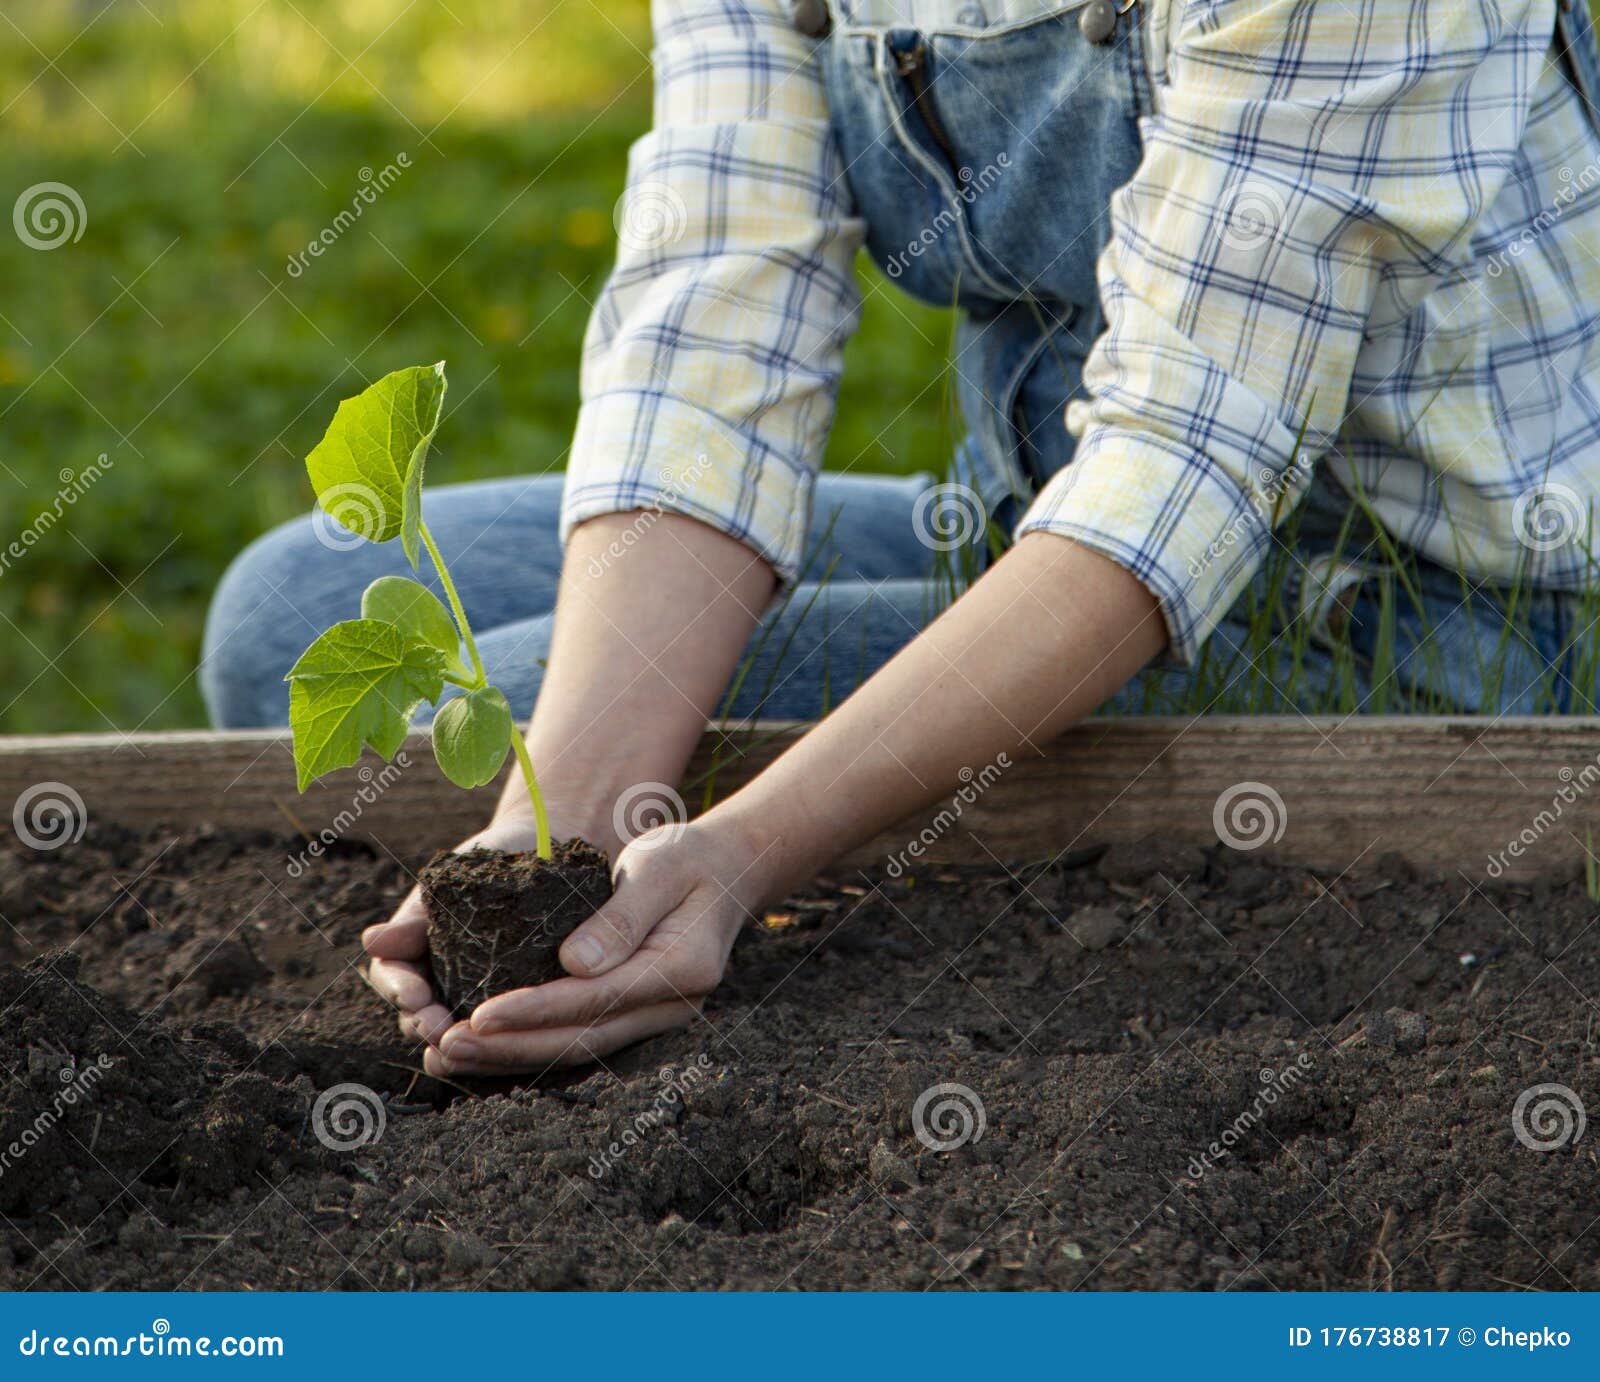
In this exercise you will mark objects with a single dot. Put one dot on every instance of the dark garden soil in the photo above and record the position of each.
(496, 921)
(174, 1012)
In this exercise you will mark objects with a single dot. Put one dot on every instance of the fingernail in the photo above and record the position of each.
(460, 1049)
(588, 952)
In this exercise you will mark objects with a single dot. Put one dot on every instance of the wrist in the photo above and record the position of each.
(768, 844)
(597, 782)
(514, 812)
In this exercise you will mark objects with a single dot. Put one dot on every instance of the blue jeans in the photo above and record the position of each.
(1341, 620)
(871, 584)
(880, 569)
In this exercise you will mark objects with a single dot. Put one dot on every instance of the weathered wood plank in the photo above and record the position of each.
(1512, 796)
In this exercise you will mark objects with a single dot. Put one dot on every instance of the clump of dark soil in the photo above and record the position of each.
(1167, 1069)
(99, 1100)
(497, 921)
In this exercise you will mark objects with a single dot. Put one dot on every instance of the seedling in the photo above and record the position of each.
(361, 682)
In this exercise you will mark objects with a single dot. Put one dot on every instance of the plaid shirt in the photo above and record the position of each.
(1372, 227)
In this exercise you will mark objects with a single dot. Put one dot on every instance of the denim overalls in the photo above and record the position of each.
(983, 145)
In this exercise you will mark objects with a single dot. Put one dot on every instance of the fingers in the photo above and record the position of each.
(465, 1052)
(404, 936)
(648, 888)
(404, 985)
(642, 981)
(400, 983)
(427, 1024)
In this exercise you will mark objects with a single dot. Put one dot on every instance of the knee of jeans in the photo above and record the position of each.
(253, 633)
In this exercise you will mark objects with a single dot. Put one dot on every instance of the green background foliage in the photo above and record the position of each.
(212, 139)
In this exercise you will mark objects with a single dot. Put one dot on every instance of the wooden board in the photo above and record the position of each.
(1511, 797)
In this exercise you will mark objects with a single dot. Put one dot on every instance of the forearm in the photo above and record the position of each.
(1039, 642)
(653, 613)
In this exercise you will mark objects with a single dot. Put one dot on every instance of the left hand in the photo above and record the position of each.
(642, 964)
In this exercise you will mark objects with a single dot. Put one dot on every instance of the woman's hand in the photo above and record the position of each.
(642, 964)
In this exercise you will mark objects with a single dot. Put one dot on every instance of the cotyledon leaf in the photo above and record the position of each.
(417, 612)
(472, 735)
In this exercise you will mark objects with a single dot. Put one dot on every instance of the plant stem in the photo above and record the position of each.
(455, 602)
(541, 818)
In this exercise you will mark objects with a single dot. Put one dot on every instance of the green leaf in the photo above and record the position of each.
(367, 469)
(417, 612)
(472, 736)
(360, 683)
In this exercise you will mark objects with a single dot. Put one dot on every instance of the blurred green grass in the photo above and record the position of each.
(209, 140)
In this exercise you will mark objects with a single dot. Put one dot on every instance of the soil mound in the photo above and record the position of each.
(1161, 1069)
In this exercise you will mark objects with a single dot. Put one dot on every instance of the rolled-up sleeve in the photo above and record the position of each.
(712, 358)
(1315, 170)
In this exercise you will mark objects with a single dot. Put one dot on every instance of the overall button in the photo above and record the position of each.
(1098, 22)
(811, 17)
